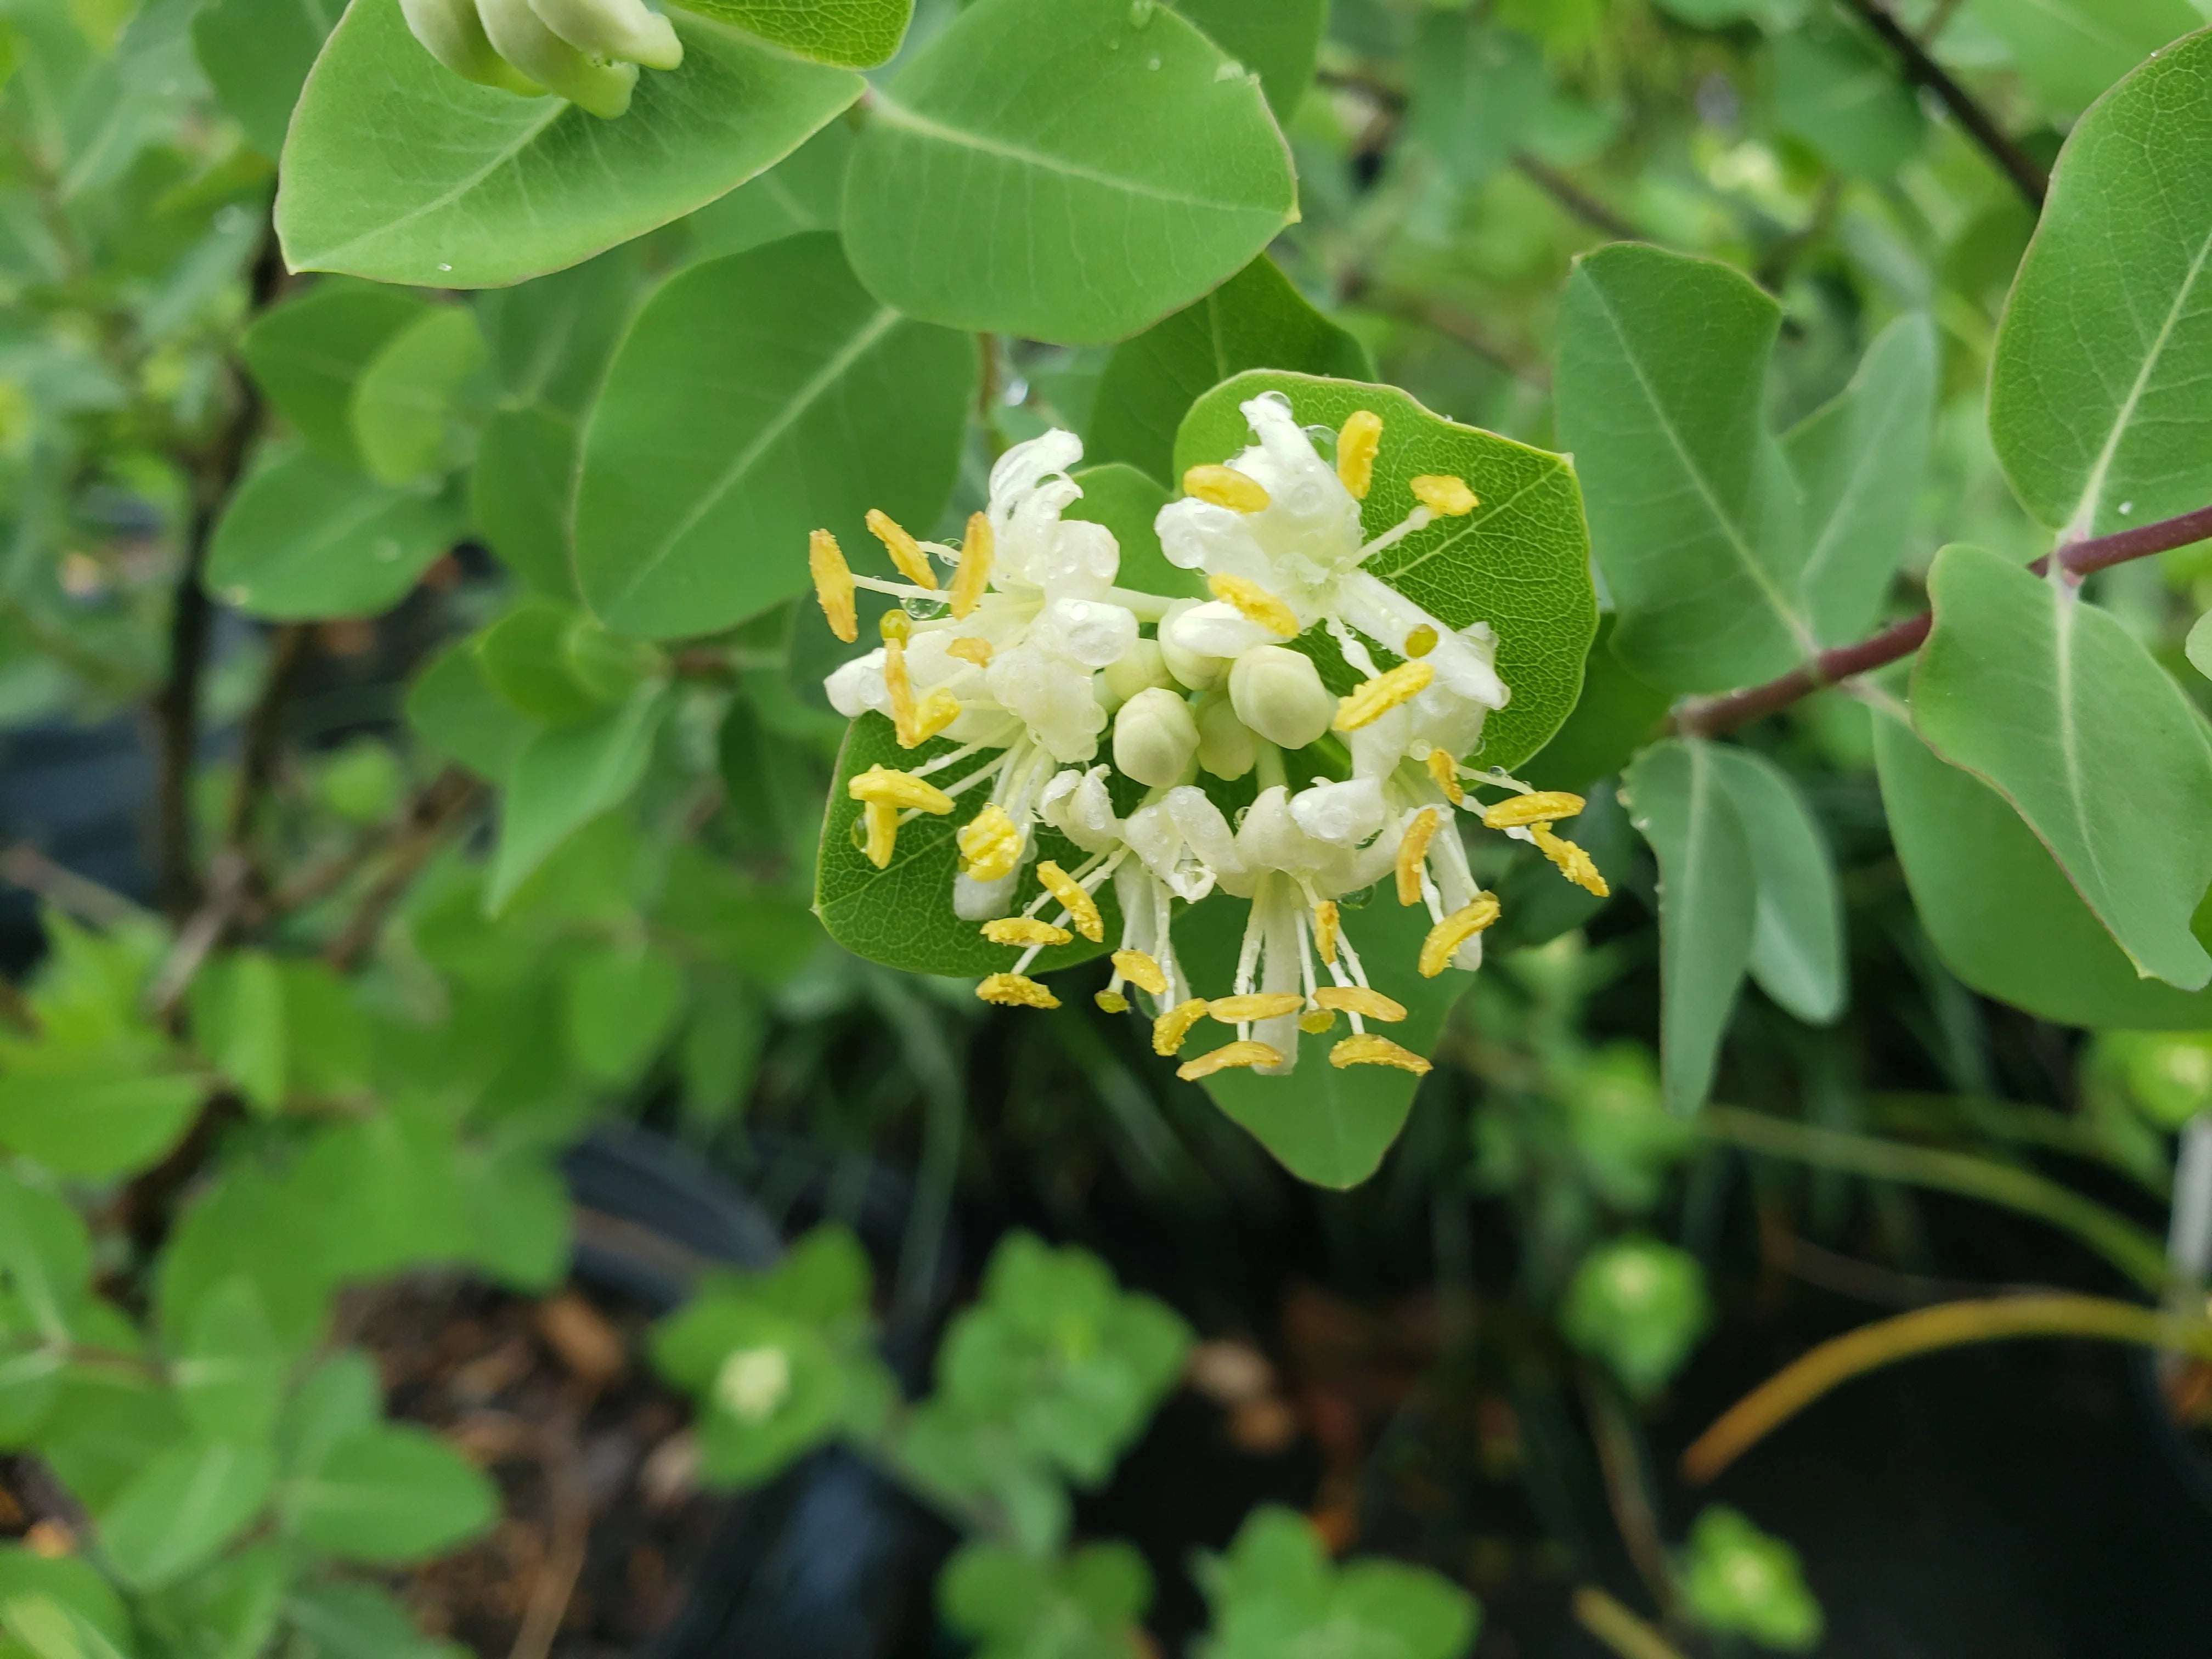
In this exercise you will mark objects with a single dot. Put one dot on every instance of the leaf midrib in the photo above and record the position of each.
(313, 258)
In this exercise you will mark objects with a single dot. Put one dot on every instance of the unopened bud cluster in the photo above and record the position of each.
(587, 51)
(1016, 658)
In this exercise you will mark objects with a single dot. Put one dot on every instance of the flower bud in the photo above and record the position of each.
(1142, 666)
(451, 33)
(627, 30)
(1224, 744)
(517, 35)
(1155, 737)
(1279, 694)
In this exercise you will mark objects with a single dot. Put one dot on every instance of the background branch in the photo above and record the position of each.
(1921, 69)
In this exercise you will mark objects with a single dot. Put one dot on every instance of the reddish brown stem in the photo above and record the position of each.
(1709, 717)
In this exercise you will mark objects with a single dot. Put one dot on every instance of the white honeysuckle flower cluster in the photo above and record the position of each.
(1019, 649)
(587, 51)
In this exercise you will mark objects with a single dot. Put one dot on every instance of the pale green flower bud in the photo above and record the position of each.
(1279, 694)
(1195, 669)
(1139, 668)
(1225, 743)
(1155, 737)
(518, 35)
(453, 33)
(628, 30)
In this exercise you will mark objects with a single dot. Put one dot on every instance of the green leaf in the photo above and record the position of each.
(1084, 1606)
(1692, 513)
(257, 53)
(1276, 1592)
(1640, 1306)
(623, 1002)
(392, 1495)
(856, 34)
(230, 1375)
(1128, 503)
(519, 1208)
(83, 1114)
(1477, 88)
(1520, 562)
(901, 914)
(1678, 797)
(1616, 715)
(341, 1399)
(1013, 166)
(1797, 929)
(229, 1611)
(562, 778)
(2199, 645)
(307, 352)
(1327, 1125)
(1276, 40)
(2000, 911)
(1861, 460)
(455, 711)
(757, 399)
(105, 1429)
(524, 657)
(519, 492)
(1740, 1581)
(803, 192)
(406, 404)
(396, 169)
(45, 1252)
(1255, 319)
(359, 1621)
(2069, 50)
(238, 1023)
(2096, 404)
(551, 339)
(308, 538)
(2052, 701)
(177, 1512)
(60, 1608)
(1841, 94)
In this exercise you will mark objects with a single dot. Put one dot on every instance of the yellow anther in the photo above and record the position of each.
(1577, 866)
(1454, 930)
(1255, 604)
(1358, 442)
(1224, 486)
(906, 552)
(1368, 1050)
(936, 712)
(905, 711)
(1142, 971)
(1412, 850)
(1447, 496)
(1170, 1029)
(832, 584)
(1247, 1053)
(990, 845)
(1082, 909)
(1358, 1000)
(1445, 771)
(1254, 1004)
(881, 819)
(1015, 991)
(1516, 812)
(970, 648)
(1421, 640)
(1378, 697)
(894, 624)
(1024, 930)
(972, 577)
(1326, 923)
(898, 789)
(1315, 1024)
(1112, 1002)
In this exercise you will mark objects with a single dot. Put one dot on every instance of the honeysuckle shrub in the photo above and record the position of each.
(1283, 546)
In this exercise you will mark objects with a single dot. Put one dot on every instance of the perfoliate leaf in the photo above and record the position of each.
(757, 399)
(306, 538)
(2052, 701)
(1692, 513)
(1012, 165)
(1677, 797)
(2096, 404)
(1520, 562)
(1255, 319)
(397, 168)
(2069, 50)
(1998, 908)
(1797, 931)
(408, 402)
